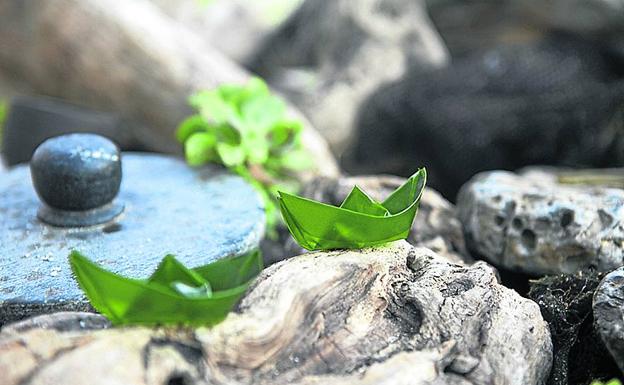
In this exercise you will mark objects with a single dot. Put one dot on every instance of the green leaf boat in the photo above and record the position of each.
(359, 222)
(173, 294)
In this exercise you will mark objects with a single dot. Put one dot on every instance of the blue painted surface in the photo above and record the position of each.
(198, 215)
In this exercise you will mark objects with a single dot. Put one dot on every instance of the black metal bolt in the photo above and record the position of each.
(77, 176)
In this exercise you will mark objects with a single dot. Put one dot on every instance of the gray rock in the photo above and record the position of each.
(388, 315)
(476, 25)
(436, 225)
(332, 53)
(609, 314)
(199, 215)
(538, 226)
(499, 109)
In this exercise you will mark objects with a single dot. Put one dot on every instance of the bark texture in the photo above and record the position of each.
(390, 315)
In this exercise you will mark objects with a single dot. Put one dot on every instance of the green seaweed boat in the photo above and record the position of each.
(173, 294)
(359, 222)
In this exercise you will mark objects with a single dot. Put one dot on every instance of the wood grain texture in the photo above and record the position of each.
(395, 315)
(125, 56)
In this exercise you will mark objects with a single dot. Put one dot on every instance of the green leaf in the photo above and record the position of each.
(409, 191)
(359, 201)
(284, 132)
(231, 155)
(256, 147)
(172, 295)
(613, 381)
(212, 107)
(362, 223)
(189, 126)
(297, 160)
(202, 291)
(199, 148)
(262, 113)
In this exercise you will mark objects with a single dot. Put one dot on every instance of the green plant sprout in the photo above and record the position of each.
(359, 222)
(614, 381)
(4, 109)
(246, 129)
(172, 295)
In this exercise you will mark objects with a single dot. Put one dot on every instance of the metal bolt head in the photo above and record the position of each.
(76, 172)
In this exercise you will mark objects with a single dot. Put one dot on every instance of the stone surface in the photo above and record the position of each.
(557, 101)
(538, 226)
(331, 54)
(609, 314)
(199, 215)
(579, 356)
(397, 314)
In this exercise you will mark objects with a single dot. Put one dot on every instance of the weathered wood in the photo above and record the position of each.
(390, 315)
(125, 56)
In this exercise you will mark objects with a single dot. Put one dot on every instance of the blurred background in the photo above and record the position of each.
(391, 85)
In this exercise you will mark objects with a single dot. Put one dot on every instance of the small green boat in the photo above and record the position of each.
(173, 294)
(359, 222)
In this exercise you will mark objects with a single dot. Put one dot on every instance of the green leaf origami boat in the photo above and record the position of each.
(173, 294)
(359, 222)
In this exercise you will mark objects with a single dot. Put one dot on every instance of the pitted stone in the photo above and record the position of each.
(537, 225)
(199, 215)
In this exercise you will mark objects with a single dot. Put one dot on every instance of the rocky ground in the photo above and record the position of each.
(519, 282)
(398, 314)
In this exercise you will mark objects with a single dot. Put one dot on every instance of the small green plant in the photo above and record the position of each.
(4, 109)
(172, 295)
(246, 129)
(614, 381)
(360, 221)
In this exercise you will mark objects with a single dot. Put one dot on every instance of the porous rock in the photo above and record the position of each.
(539, 226)
(609, 314)
(556, 101)
(394, 314)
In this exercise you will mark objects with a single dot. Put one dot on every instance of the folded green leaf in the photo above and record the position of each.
(173, 294)
(359, 201)
(359, 222)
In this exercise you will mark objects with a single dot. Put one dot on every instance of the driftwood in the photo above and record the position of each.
(390, 315)
(125, 56)
(330, 55)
